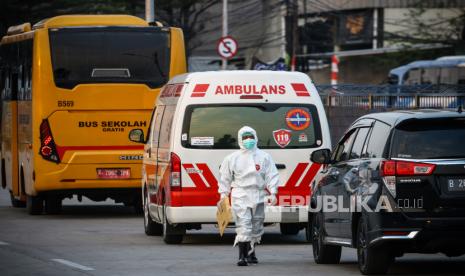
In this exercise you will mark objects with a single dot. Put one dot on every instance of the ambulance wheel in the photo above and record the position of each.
(151, 227)
(53, 205)
(323, 253)
(289, 228)
(172, 234)
(16, 203)
(34, 205)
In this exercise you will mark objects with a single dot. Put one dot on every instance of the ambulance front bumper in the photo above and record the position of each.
(207, 214)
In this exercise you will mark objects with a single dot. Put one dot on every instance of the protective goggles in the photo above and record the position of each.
(247, 136)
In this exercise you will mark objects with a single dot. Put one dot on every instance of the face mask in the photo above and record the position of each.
(249, 143)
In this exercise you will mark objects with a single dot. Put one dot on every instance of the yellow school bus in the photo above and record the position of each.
(73, 87)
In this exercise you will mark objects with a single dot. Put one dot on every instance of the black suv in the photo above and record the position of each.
(399, 182)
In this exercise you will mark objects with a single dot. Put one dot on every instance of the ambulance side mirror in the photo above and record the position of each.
(137, 135)
(321, 156)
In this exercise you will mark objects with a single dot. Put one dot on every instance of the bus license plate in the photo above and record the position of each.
(456, 185)
(114, 173)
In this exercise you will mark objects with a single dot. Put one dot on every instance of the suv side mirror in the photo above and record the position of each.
(321, 156)
(137, 135)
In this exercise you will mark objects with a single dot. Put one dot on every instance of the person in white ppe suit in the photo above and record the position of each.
(246, 173)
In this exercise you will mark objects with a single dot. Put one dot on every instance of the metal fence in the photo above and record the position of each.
(345, 103)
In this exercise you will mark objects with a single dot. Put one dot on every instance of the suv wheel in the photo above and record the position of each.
(323, 253)
(34, 205)
(171, 234)
(151, 227)
(371, 259)
(289, 228)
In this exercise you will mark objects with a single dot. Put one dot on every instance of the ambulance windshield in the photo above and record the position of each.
(277, 125)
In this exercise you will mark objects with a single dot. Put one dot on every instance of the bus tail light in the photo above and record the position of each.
(48, 149)
(175, 180)
(390, 169)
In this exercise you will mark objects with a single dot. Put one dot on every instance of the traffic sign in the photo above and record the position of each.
(227, 47)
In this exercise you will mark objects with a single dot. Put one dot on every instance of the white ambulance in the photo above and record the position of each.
(194, 126)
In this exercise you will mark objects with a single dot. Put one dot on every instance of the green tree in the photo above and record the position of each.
(190, 15)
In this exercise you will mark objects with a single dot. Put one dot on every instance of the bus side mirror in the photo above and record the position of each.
(322, 156)
(137, 135)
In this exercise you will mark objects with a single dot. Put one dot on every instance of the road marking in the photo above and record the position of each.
(4, 243)
(71, 264)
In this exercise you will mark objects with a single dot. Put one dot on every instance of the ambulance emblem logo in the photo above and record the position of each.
(297, 119)
(282, 137)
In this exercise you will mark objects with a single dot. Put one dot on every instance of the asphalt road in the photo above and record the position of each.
(108, 239)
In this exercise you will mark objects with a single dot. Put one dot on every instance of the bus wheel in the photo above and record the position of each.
(34, 205)
(53, 205)
(16, 203)
(3, 175)
(137, 205)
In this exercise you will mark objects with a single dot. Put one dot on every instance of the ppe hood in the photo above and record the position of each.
(241, 132)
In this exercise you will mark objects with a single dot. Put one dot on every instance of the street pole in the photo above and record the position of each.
(224, 63)
(150, 10)
(375, 28)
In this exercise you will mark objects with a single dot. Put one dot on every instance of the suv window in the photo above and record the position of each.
(343, 149)
(357, 148)
(430, 139)
(377, 141)
(165, 130)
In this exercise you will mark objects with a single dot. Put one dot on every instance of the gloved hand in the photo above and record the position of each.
(221, 199)
(272, 200)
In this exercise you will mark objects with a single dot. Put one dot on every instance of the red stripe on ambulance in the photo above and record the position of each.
(208, 175)
(200, 90)
(195, 176)
(310, 175)
(295, 176)
(302, 171)
(300, 89)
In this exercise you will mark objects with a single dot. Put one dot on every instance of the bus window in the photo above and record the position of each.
(413, 76)
(430, 76)
(449, 75)
(461, 75)
(120, 54)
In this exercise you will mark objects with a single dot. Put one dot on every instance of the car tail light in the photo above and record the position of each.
(403, 168)
(175, 172)
(392, 168)
(388, 168)
(412, 168)
(48, 149)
